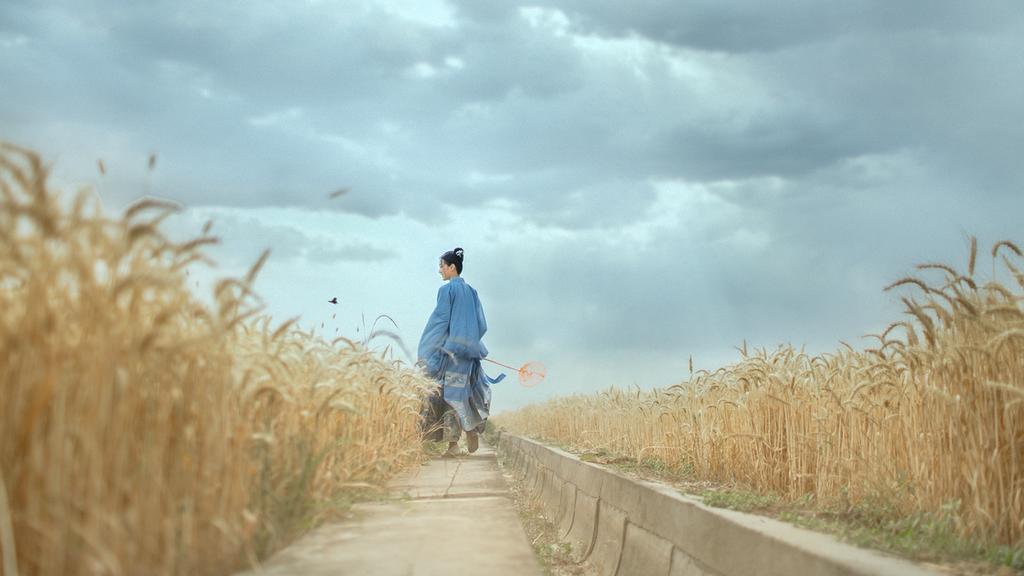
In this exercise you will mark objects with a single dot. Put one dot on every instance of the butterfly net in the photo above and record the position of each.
(531, 374)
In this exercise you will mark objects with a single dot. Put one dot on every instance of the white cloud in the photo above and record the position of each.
(475, 178)
(10, 41)
(423, 70)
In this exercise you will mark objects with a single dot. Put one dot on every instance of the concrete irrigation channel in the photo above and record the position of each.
(624, 526)
(457, 516)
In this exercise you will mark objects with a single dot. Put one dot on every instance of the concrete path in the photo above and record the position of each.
(450, 517)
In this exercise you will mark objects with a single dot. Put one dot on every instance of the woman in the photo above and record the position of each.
(450, 352)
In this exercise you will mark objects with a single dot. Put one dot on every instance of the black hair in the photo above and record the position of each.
(454, 257)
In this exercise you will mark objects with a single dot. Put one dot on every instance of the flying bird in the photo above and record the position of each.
(339, 192)
(333, 300)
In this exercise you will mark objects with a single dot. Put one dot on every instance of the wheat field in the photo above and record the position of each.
(930, 419)
(143, 432)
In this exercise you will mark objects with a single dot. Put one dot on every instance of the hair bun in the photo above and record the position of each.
(459, 253)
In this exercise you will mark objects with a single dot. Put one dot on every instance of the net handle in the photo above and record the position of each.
(502, 365)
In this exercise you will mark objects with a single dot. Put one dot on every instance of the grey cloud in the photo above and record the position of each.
(780, 146)
(825, 247)
(245, 237)
(513, 58)
(566, 137)
(190, 87)
(486, 13)
(875, 91)
(749, 26)
(275, 55)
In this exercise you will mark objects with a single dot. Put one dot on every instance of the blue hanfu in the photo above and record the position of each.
(451, 349)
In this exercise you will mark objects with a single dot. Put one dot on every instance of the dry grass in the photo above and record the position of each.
(142, 432)
(930, 420)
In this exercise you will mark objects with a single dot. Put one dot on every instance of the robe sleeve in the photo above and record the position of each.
(430, 352)
(482, 323)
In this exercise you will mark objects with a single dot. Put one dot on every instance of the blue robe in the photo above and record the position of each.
(450, 351)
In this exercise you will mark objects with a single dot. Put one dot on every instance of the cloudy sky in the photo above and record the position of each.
(633, 182)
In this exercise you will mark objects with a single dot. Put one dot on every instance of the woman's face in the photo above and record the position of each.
(447, 271)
